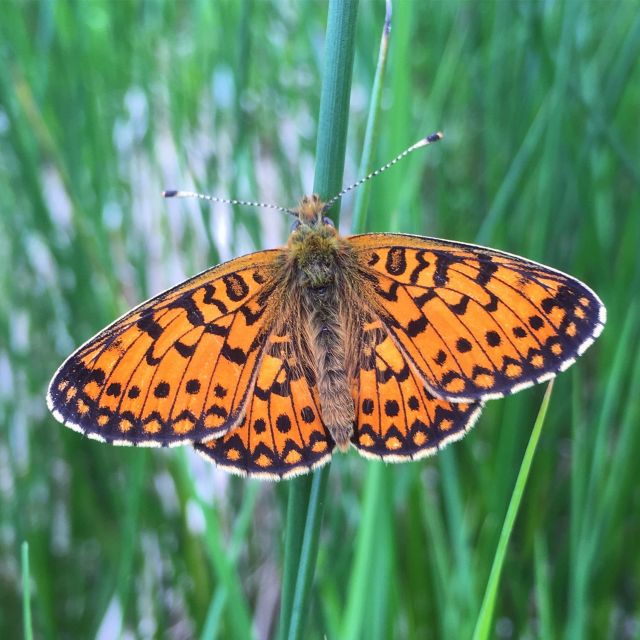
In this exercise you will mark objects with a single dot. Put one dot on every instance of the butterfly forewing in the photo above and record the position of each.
(179, 367)
(282, 433)
(397, 417)
(476, 323)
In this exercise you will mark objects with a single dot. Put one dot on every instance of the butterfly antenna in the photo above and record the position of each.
(201, 196)
(434, 137)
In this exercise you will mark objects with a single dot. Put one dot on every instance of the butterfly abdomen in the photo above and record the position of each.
(325, 336)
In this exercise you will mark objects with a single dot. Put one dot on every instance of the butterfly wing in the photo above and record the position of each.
(281, 434)
(179, 367)
(475, 322)
(398, 418)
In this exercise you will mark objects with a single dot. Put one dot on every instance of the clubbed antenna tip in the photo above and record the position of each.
(434, 137)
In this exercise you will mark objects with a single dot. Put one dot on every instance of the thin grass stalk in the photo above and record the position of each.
(360, 579)
(306, 495)
(26, 592)
(308, 553)
(482, 630)
(359, 220)
(297, 506)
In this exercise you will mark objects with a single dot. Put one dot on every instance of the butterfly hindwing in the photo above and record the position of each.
(397, 418)
(282, 434)
(178, 368)
(476, 323)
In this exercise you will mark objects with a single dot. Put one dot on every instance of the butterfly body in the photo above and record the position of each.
(389, 343)
(324, 284)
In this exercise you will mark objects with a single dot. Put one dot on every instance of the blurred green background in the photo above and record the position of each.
(104, 104)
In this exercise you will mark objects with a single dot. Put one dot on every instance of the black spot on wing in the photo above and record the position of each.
(373, 259)
(114, 389)
(485, 272)
(185, 350)
(186, 302)
(423, 298)
(367, 406)
(252, 316)
(422, 264)
(150, 327)
(396, 263)
(416, 327)
(210, 298)
(162, 390)
(192, 386)
(460, 308)
(283, 423)
(390, 294)
(233, 354)
(444, 260)
(150, 360)
(216, 329)
(235, 286)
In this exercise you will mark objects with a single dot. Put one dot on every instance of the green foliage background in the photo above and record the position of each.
(104, 104)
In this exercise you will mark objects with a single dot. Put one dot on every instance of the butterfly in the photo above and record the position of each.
(385, 342)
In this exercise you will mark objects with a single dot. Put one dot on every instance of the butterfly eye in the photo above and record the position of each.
(328, 222)
(295, 225)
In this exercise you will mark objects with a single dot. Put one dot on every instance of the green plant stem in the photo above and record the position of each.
(485, 617)
(306, 495)
(26, 592)
(359, 222)
(299, 492)
(334, 100)
(308, 552)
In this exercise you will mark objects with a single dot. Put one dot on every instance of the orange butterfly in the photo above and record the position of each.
(387, 342)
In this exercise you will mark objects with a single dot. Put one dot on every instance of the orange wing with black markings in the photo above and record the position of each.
(397, 417)
(179, 367)
(475, 322)
(282, 434)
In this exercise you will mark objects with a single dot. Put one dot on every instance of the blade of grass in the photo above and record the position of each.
(308, 553)
(297, 506)
(543, 588)
(483, 624)
(334, 100)
(26, 593)
(306, 496)
(359, 220)
(365, 551)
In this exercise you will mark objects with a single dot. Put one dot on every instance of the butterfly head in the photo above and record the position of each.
(311, 221)
(311, 212)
